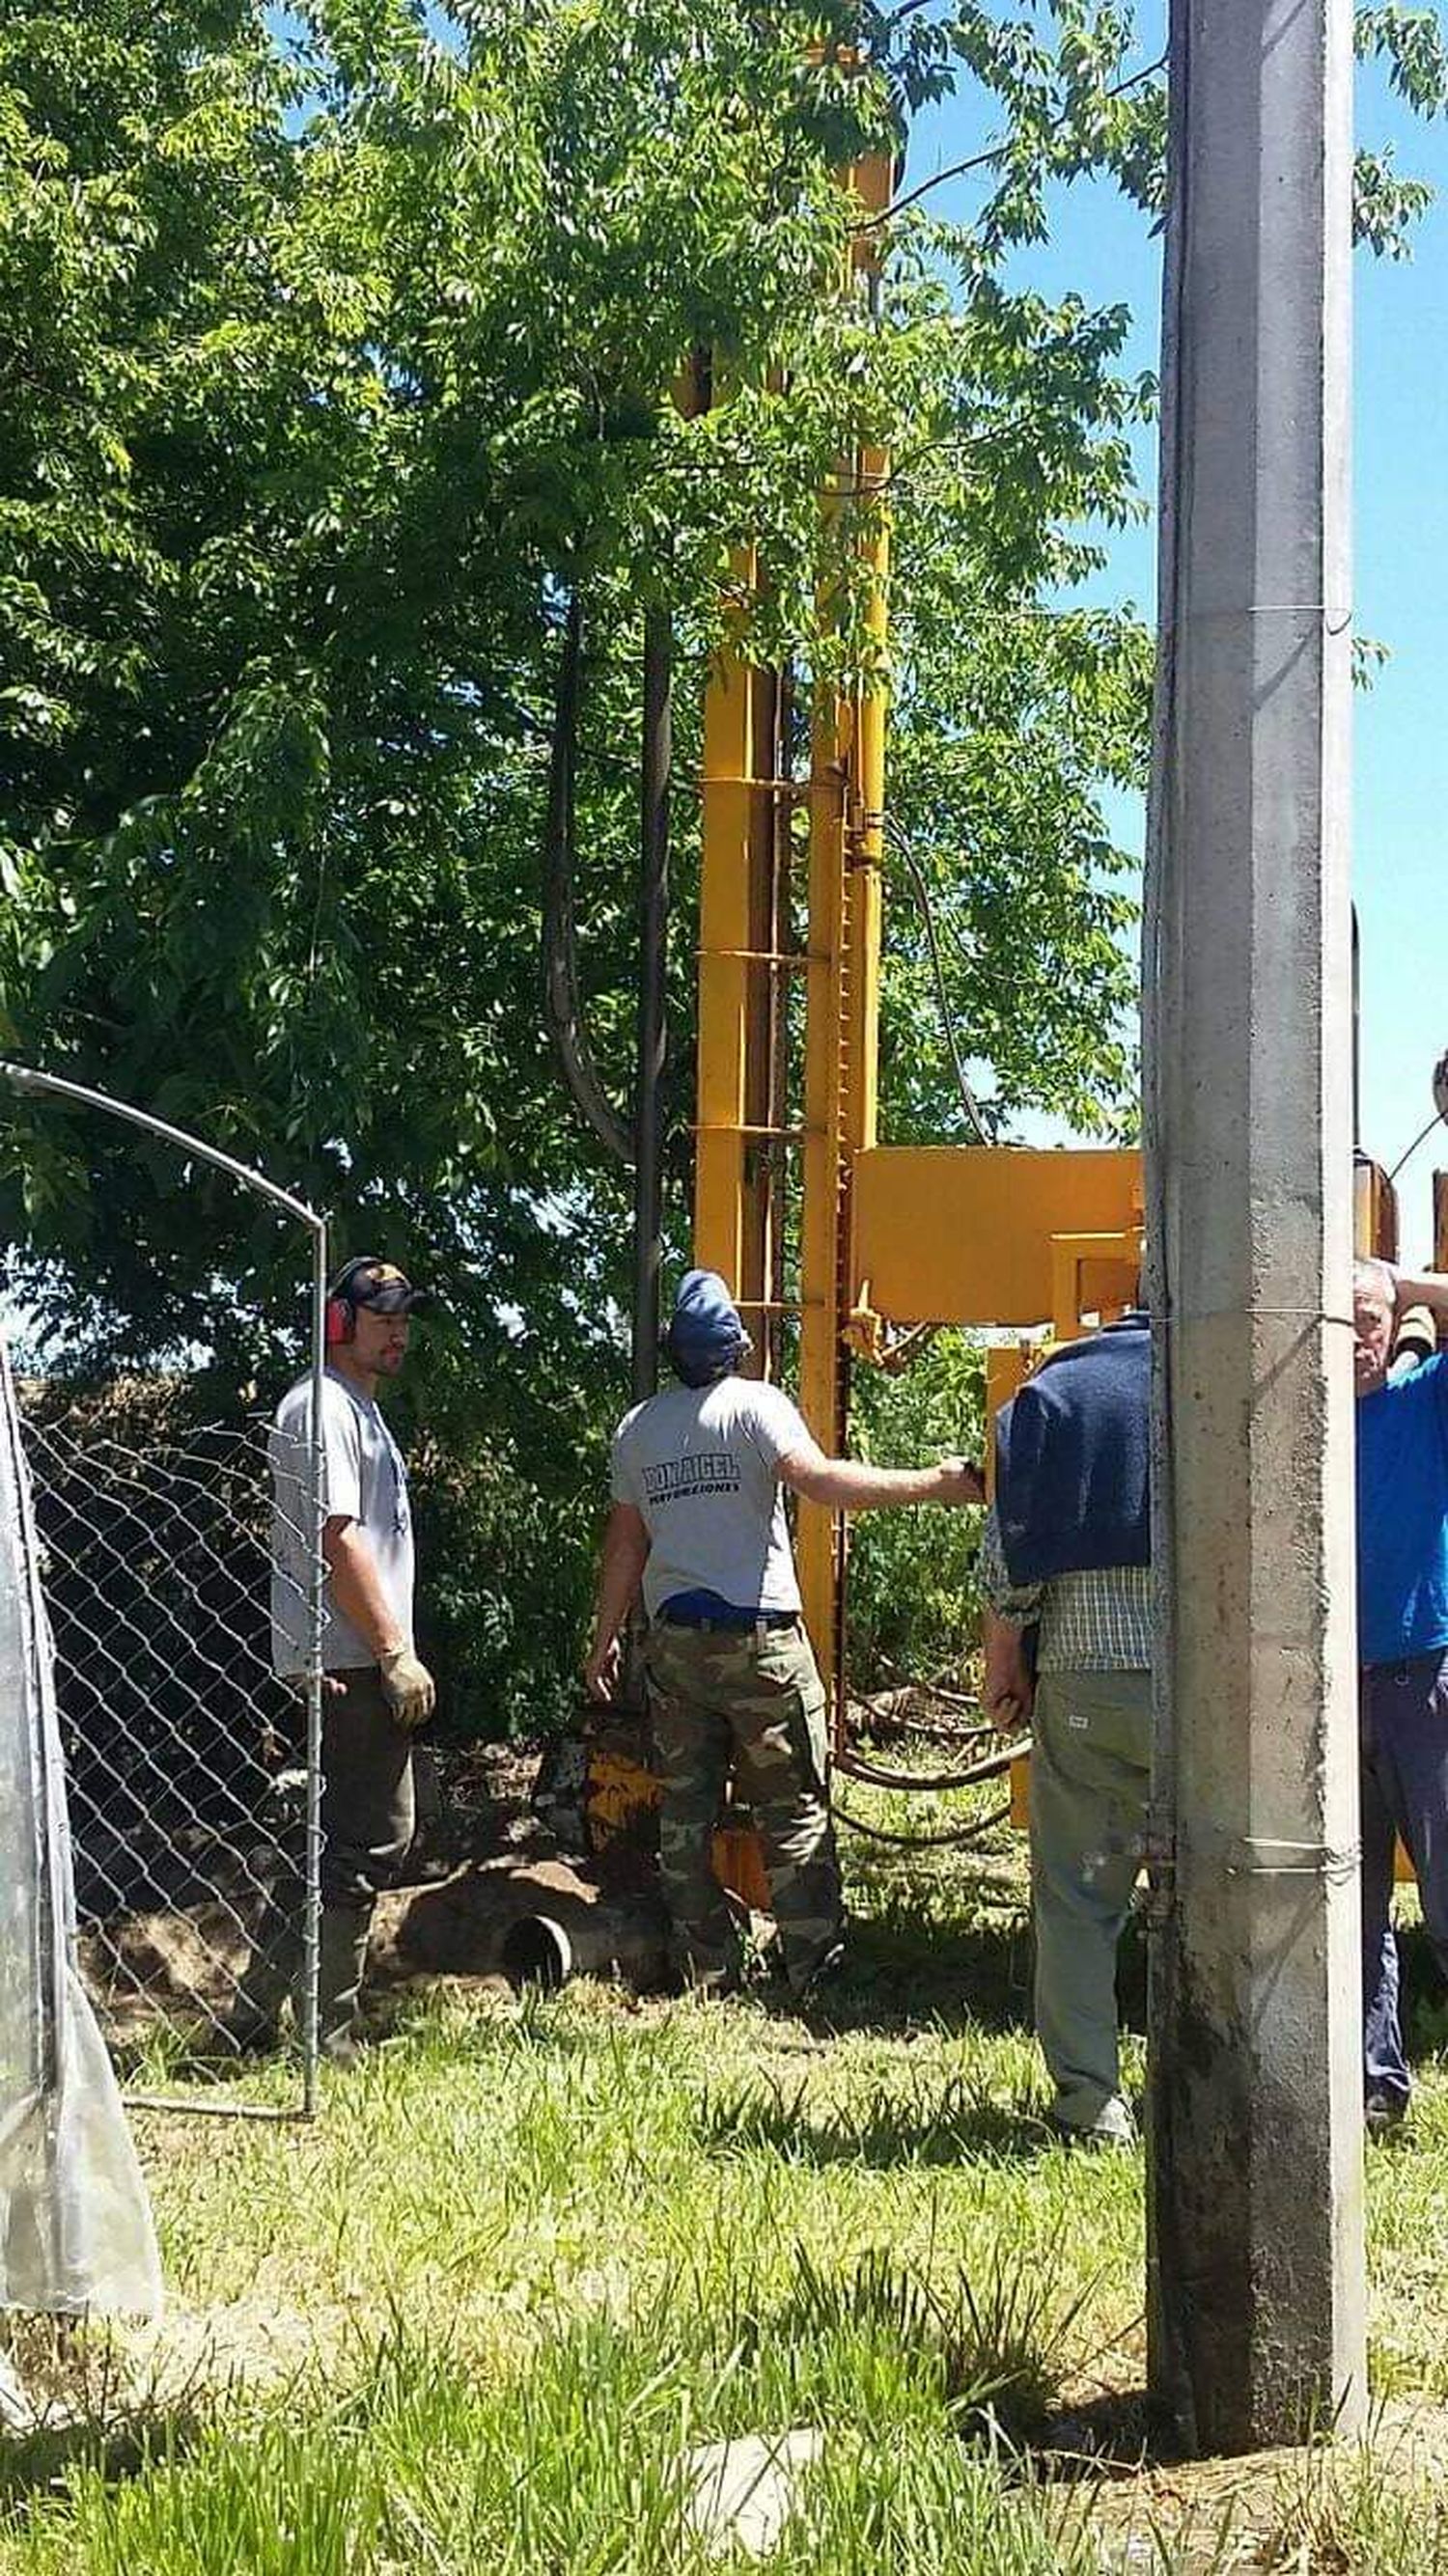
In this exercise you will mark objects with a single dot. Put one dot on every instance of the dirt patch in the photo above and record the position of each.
(1290, 2508)
(179, 1963)
(465, 1924)
(183, 1966)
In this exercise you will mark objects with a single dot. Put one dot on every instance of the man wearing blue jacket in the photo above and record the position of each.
(1067, 1553)
(1402, 1539)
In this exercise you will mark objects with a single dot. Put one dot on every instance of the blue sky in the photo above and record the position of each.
(1100, 248)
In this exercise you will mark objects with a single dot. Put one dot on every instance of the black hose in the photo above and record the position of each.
(562, 1011)
(875, 1775)
(925, 1842)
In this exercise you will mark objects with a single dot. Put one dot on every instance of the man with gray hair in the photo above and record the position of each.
(1402, 1541)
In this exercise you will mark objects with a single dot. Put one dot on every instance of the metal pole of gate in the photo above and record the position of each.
(316, 1519)
(50, 1086)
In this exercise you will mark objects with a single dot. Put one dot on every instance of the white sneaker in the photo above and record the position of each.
(1113, 2126)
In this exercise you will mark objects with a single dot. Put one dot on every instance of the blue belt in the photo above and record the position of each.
(734, 1623)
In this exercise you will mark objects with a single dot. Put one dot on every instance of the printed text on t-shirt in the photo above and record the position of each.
(679, 1480)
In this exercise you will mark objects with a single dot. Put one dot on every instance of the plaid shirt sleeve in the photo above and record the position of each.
(1017, 1603)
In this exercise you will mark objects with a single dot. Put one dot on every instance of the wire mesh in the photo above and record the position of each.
(187, 1761)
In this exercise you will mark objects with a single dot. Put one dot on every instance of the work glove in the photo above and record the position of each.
(408, 1687)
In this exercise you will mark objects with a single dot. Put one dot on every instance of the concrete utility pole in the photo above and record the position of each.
(1256, 2162)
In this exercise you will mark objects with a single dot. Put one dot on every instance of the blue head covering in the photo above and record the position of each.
(705, 1339)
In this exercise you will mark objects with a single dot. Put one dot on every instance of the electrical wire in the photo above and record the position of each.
(875, 1775)
(1437, 1120)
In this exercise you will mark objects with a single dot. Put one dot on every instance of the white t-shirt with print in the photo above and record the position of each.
(700, 1464)
(363, 1480)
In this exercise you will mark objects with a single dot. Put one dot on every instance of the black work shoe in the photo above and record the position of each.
(826, 1969)
(1383, 2113)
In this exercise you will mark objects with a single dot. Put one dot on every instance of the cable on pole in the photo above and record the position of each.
(562, 1008)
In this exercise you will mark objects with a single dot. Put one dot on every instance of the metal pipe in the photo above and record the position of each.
(51, 1087)
(316, 1519)
(653, 996)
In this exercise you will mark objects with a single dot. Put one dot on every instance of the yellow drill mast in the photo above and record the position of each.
(754, 1136)
(787, 1154)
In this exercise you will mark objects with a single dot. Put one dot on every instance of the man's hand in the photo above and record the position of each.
(1006, 1694)
(960, 1481)
(600, 1670)
(407, 1686)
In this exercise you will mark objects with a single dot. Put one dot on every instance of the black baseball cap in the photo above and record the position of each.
(366, 1281)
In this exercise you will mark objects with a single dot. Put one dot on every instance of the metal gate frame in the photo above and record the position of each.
(49, 1086)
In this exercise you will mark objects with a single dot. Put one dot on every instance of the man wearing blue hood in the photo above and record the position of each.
(698, 1521)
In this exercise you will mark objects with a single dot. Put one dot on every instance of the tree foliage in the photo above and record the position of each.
(336, 351)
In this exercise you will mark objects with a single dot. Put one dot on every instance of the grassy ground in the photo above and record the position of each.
(534, 2254)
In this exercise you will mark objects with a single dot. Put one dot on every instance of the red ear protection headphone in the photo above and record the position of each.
(340, 1321)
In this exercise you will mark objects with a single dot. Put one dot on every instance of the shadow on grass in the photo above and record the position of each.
(894, 2127)
(904, 1971)
(1423, 1994)
(38, 2464)
(1112, 2436)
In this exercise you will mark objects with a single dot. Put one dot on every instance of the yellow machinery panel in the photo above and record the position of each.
(1374, 1212)
(621, 1797)
(993, 1234)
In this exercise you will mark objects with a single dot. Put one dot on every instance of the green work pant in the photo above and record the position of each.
(367, 1828)
(1090, 1783)
(748, 1705)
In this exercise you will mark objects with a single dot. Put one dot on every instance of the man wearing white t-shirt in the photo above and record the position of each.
(698, 1522)
(376, 1690)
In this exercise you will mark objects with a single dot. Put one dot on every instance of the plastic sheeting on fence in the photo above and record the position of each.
(76, 2234)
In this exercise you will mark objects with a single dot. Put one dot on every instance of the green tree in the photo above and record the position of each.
(337, 352)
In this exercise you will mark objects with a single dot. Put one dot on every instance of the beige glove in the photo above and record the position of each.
(408, 1687)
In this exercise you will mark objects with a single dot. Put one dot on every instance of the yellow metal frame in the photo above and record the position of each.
(846, 849)
(742, 1138)
(994, 1234)
(738, 964)
(887, 1235)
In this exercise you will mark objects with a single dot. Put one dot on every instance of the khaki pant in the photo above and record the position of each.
(368, 1801)
(367, 1826)
(748, 1705)
(1090, 1785)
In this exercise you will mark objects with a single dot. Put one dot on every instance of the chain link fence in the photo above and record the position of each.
(193, 1776)
(186, 1761)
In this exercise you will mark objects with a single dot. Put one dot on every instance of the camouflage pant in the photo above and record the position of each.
(748, 1704)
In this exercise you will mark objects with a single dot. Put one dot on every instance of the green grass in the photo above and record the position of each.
(535, 2253)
